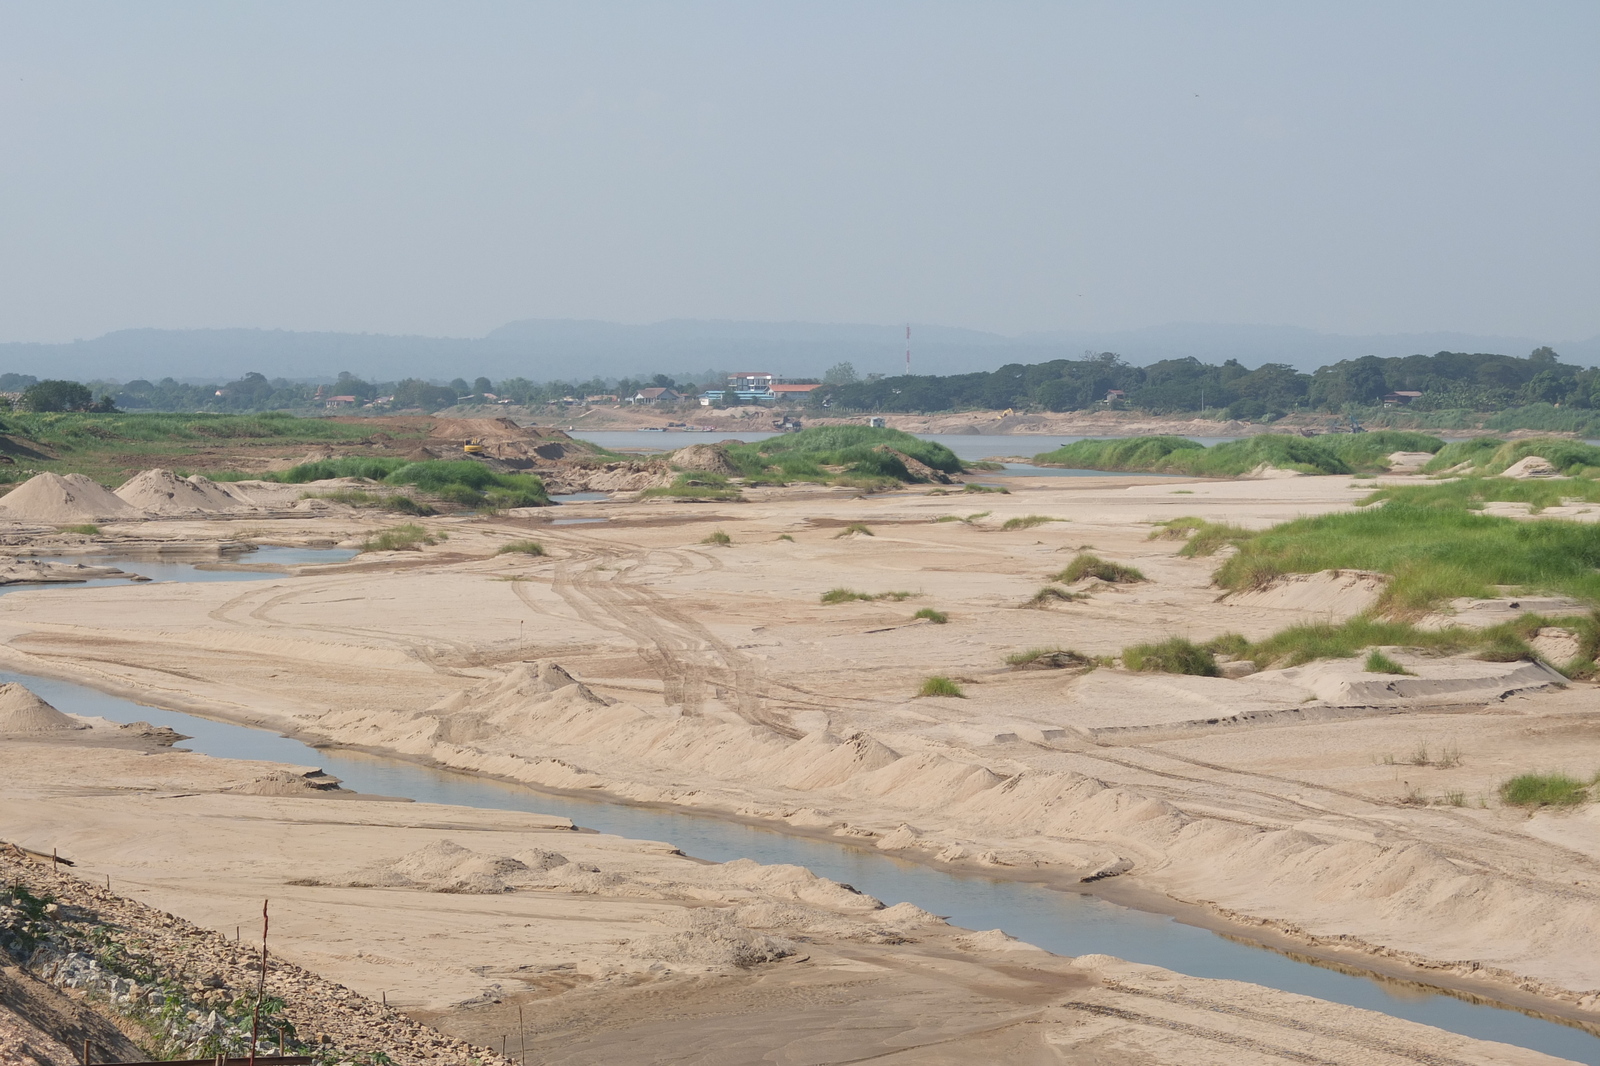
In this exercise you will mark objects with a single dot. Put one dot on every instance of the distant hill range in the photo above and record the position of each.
(560, 349)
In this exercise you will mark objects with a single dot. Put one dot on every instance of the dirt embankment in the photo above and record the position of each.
(132, 960)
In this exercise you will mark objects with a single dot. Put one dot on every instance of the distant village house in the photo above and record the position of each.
(654, 396)
(1399, 399)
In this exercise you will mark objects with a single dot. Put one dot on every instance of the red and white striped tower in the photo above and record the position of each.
(908, 350)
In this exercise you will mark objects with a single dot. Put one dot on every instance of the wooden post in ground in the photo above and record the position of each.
(261, 987)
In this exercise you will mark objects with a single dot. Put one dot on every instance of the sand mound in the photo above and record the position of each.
(1268, 472)
(1335, 594)
(445, 866)
(161, 492)
(1557, 645)
(289, 783)
(56, 499)
(709, 458)
(23, 712)
(1531, 466)
(713, 939)
(1408, 462)
(1480, 614)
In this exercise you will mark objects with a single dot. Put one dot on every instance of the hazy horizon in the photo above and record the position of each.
(1017, 168)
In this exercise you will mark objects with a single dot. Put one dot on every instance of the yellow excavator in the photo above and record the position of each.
(473, 447)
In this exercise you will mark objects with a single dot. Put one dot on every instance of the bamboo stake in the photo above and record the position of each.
(261, 986)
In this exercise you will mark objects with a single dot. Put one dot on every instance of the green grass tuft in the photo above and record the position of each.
(407, 538)
(844, 595)
(521, 547)
(87, 529)
(1543, 790)
(1028, 521)
(1050, 595)
(1174, 655)
(1087, 565)
(785, 536)
(973, 486)
(719, 538)
(854, 527)
(941, 686)
(699, 485)
(938, 618)
(1379, 663)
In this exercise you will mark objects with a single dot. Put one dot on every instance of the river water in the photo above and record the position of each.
(1064, 922)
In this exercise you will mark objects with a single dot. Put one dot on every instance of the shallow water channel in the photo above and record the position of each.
(1067, 923)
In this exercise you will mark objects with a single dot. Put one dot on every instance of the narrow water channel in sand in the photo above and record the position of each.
(1066, 923)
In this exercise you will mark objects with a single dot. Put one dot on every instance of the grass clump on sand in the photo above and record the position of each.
(1174, 655)
(87, 529)
(1434, 549)
(854, 527)
(785, 536)
(1491, 455)
(464, 482)
(1543, 790)
(1087, 565)
(1507, 642)
(864, 455)
(1334, 453)
(1046, 659)
(1028, 521)
(521, 547)
(718, 538)
(1049, 595)
(1472, 492)
(941, 686)
(700, 485)
(973, 486)
(969, 519)
(938, 618)
(407, 538)
(844, 595)
(381, 501)
(1379, 663)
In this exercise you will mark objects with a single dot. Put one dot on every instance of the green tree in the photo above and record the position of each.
(840, 374)
(55, 395)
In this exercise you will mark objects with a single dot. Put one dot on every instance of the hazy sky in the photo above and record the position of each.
(443, 168)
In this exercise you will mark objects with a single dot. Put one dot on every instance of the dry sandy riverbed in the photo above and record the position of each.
(712, 677)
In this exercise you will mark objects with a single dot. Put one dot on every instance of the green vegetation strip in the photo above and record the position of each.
(1333, 453)
(868, 456)
(460, 481)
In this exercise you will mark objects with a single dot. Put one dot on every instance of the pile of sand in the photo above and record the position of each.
(708, 458)
(1268, 472)
(1334, 594)
(161, 492)
(23, 712)
(70, 499)
(712, 938)
(1408, 462)
(289, 783)
(1531, 466)
(445, 866)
